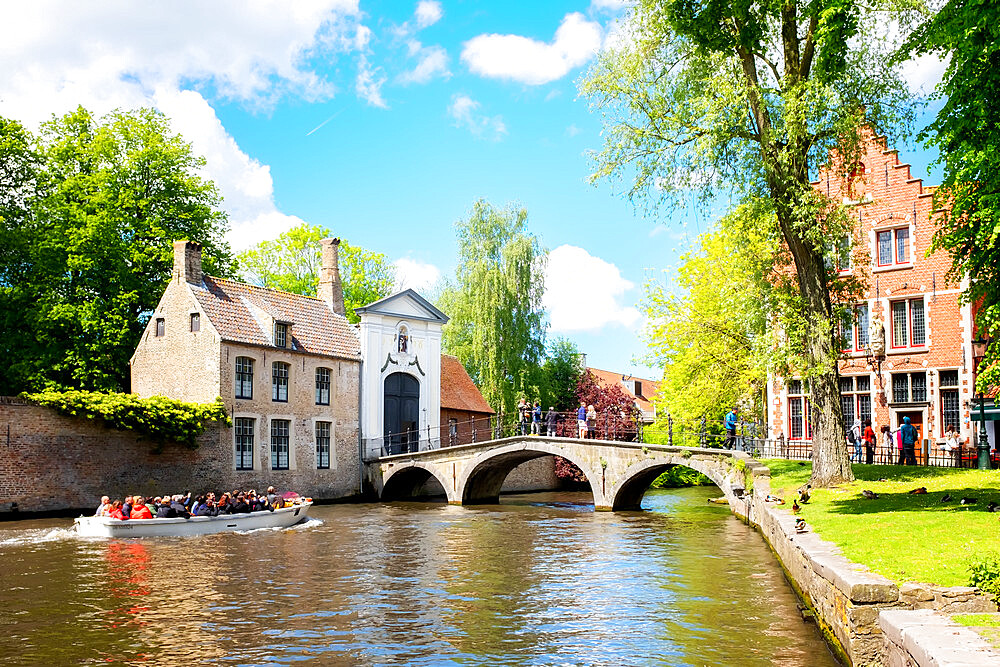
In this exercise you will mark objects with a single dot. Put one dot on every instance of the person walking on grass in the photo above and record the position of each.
(908, 438)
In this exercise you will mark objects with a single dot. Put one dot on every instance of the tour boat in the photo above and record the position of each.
(103, 526)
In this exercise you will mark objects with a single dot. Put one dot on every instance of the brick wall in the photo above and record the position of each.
(52, 462)
(886, 199)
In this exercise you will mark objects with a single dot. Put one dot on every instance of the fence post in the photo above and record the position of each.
(670, 431)
(702, 437)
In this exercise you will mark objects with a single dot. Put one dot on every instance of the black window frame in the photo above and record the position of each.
(323, 385)
(323, 444)
(280, 372)
(243, 378)
(281, 430)
(243, 434)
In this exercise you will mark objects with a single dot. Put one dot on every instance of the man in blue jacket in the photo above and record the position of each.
(730, 425)
(908, 434)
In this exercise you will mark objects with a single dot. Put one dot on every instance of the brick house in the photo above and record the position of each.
(641, 390)
(286, 366)
(464, 412)
(907, 345)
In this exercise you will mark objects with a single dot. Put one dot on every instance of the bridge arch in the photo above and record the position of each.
(483, 477)
(632, 485)
(405, 481)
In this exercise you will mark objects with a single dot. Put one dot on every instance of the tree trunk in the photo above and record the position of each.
(831, 462)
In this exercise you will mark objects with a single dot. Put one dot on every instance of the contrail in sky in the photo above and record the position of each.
(323, 123)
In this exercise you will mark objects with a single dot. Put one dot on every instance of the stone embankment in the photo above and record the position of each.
(850, 602)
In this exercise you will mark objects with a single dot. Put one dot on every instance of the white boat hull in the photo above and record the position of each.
(102, 526)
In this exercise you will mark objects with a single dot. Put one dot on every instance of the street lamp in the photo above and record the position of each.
(979, 346)
(983, 443)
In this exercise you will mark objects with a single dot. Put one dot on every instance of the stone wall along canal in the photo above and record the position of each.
(539, 580)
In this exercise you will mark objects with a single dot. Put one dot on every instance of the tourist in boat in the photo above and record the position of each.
(140, 511)
(116, 511)
(164, 509)
(177, 505)
(202, 507)
(127, 506)
(272, 497)
(240, 506)
(102, 509)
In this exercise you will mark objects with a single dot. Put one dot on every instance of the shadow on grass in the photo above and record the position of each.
(906, 502)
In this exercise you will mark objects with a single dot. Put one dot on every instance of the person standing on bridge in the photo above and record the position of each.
(536, 419)
(523, 416)
(581, 420)
(551, 422)
(730, 425)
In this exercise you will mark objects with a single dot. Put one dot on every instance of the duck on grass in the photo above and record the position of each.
(933, 525)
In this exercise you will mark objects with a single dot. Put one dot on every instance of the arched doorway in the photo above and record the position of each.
(401, 424)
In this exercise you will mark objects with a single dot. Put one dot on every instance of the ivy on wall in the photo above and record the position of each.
(158, 418)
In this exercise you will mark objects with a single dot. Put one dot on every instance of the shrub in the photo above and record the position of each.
(984, 572)
(159, 418)
(680, 476)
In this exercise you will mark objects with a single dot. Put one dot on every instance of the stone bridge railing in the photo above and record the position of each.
(619, 473)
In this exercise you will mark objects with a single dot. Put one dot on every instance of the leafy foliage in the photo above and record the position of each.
(159, 418)
(745, 99)
(966, 133)
(292, 263)
(89, 214)
(560, 375)
(617, 414)
(497, 327)
(984, 572)
(680, 476)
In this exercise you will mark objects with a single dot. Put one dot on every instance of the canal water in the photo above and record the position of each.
(540, 579)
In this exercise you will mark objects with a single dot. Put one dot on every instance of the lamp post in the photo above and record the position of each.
(983, 442)
(979, 346)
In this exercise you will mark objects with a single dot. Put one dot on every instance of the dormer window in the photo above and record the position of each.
(280, 334)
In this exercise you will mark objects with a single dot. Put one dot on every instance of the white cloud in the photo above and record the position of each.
(923, 73)
(583, 292)
(428, 13)
(465, 112)
(573, 130)
(432, 62)
(530, 61)
(121, 55)
(369, 82)
(416, 275)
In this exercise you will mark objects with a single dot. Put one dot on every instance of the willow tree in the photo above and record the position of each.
(746, 99)
(497, 327)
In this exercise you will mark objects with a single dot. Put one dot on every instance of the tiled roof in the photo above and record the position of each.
(458, 391)
(315, 329)
(611, 378)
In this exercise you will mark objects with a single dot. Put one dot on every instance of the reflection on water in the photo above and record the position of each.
(537, 580)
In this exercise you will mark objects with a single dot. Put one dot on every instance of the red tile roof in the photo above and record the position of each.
(458, 391)
(611, 378)
(315, 329)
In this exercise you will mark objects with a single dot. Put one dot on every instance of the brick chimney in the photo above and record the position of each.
(330, 289)
(187, 261)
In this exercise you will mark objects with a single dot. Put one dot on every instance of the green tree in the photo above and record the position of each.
(292, 263)
(561, 373)
(713, 336)
(497, 327)
(111, 195)
(746, 99)
(966, 133)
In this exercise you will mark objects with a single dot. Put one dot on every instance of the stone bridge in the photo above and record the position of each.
(619, 473)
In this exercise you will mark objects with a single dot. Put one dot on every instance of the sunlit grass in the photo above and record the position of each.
(901, 536)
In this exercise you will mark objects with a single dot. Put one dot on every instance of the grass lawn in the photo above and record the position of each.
(901, 536)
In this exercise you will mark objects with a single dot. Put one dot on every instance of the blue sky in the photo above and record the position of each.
(383, 121)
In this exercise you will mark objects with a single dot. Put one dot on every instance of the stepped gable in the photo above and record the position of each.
(315, 328)
(458, 391)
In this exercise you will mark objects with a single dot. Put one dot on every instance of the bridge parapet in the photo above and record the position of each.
(619, 473)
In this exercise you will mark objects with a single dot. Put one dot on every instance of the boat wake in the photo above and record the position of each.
(305, 525)
(32, 536)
